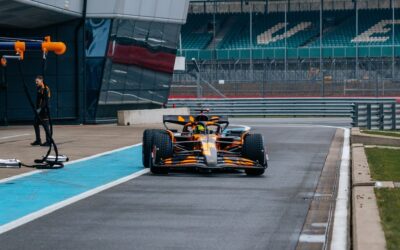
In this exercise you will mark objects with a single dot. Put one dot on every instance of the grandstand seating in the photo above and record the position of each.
(269, 30)
(196, 33)
(303, 28)
(373, 22)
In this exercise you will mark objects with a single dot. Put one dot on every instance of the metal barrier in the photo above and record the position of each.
(271, 78)
(334, 107)
(382, 116)
(293, 53)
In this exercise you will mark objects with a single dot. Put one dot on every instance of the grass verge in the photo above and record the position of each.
(389, 205)
(384, 163)
(383, 133)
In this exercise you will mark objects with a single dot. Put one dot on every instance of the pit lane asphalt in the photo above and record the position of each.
(195, 211)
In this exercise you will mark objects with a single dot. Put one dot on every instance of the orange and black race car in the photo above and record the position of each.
(205, 142)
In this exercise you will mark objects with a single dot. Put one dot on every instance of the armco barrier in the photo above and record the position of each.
(382, 116)
(277, 106)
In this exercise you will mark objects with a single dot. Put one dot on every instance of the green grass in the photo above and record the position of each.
(384, 133)
(384, 163)
(389, 206)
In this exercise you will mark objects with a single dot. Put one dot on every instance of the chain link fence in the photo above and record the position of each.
(329, 77)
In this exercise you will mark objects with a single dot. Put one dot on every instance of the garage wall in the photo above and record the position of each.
(60, 76)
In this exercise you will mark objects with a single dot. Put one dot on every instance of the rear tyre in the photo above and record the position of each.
(253, 149)
(162, 149)
(147, 145)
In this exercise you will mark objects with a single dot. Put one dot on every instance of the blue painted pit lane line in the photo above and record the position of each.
(22, 197)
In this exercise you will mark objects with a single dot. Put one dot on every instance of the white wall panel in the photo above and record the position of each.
(163, 11)
(71, 7)
(174, 11)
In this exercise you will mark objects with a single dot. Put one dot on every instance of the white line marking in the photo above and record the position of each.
(322, 195)
(13, 136)
(20, 176)
(312, 238)
(340, 222)
(47, 210)
(67, 163)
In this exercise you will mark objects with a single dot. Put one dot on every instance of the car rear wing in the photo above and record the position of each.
(184, 119)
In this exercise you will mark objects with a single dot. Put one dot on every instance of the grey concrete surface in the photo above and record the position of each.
(365, 213)
(195, 211)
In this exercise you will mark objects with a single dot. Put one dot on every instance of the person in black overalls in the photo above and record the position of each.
(42, 109)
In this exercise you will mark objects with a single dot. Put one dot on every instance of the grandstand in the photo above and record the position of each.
(302, 31)
(195, 34)
(349, 47)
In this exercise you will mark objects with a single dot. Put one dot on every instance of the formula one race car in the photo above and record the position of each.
(204, 143)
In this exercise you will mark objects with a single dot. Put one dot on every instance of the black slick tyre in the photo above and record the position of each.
(162, 149)
(147, 145)
(253, 149)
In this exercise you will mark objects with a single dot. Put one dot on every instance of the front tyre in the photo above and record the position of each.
(255, 171)
(147, 145)
(253, 149)
(162, 149)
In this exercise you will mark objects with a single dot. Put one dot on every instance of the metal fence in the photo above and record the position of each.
(278, 106)
(292, 53)
(339, 77)
(382, 116)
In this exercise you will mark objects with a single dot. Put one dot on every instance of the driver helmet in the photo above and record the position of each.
(200, 129)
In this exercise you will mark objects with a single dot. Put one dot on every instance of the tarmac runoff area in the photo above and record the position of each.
(110, 202)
